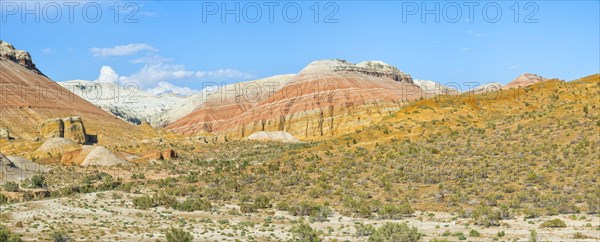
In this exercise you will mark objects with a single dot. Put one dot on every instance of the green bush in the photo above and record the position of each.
(8, 236)
(261, 202)
(474, 233)
(486, 216)
(143, 202)
(3, 199)
(60, 237)
(11, 187)
(304, 233)
(38, 181)
(392, 232)
(179, 235)
(193, 204)
(363, 230)
(554, 223)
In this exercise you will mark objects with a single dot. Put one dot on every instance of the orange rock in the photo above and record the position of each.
(169, 154)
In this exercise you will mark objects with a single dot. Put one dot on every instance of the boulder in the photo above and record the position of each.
(74, 130)
(71, 128)
(52, 128)
(101, 156)
(4, 133)
(169, 154)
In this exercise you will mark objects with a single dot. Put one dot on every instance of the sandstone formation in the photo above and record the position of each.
(75, 130)
(70, 128)
(169, 154)
(280, 136)
(29, 99)
(101, 156)
(55, 147)
(524, 80)
(52, 128)
(326, 98)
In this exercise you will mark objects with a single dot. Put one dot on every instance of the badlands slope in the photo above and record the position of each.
(325, 98)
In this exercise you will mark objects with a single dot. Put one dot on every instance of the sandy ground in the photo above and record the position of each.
(104, 217)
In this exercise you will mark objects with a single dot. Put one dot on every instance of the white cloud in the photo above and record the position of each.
(166, 87)
(49, 51)
(513, 67)
(477, 34)
(155, 59)
(108, 75)
(121, 50)
(224, 73)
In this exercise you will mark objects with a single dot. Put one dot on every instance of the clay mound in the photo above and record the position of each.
(55, 147)
(524, 80)
(280, 136)
(17, 168)
(28, 166)
(76, 156)
(101, 156)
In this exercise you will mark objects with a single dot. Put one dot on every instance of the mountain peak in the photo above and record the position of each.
(525, 79)
(8, 52)
(372, 68)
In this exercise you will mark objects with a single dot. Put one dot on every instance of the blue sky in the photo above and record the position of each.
(171, 43)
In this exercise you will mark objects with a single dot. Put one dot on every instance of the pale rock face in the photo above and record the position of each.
(432, 87)
(489, 87)
(279, 136)
(125, 101)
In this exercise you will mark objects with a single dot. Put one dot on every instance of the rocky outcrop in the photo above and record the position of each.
(75, 130)
(524, 80)
(101, 156)
(52, 128)
(4, 133)
(326, 98)
(8, 52)
(70, 128)
(169, 154)
(279, 136)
